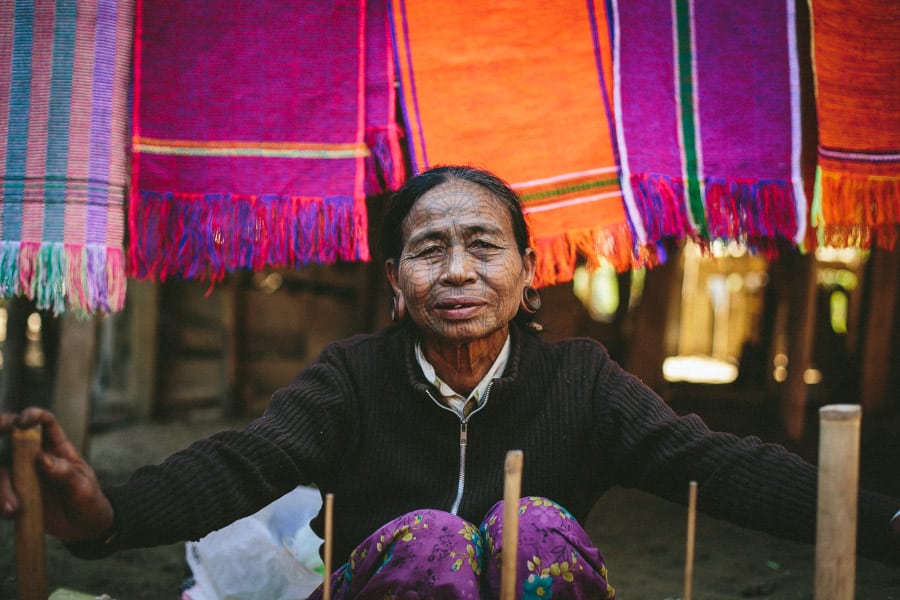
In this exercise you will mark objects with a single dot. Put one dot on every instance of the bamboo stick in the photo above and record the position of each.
(689, 550)
(511, 490)
(31, 566)
(329, 510)
(838, 489)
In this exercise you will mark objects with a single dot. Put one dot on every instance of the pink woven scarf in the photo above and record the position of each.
(259, 128)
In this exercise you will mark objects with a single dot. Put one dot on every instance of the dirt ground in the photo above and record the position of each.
(642, 537)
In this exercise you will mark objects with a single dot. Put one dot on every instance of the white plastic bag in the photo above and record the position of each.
(271, 554)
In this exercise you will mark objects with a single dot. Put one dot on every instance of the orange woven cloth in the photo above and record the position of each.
(856, 56)
(522, 89)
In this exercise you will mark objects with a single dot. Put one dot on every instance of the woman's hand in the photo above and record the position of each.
(75, 508)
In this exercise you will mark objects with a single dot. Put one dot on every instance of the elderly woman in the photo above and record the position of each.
(409, 428)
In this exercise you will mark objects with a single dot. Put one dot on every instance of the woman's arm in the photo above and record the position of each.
(743, 480)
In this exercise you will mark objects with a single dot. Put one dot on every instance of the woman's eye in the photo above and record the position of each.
(483, 244)
(428, 251)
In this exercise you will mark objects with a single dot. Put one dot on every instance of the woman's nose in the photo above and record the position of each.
(459, 265)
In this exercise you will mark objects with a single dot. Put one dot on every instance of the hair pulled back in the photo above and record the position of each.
(403, 200)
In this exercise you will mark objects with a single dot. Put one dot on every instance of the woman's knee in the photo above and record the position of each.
(428, 551)
(554, 552)
(535, 513)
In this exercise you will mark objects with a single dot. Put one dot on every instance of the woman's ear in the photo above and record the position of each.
(393, 276)
(529, 265)
(398, 305)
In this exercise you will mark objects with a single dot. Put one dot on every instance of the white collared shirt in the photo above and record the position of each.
(460, 405)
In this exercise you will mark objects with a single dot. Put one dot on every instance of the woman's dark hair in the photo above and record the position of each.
(416, 187)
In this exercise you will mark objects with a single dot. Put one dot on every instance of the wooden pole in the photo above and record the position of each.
(13, 390)
(838, 490)
(31, 567)
(74, 370)
(329, 520)
(802, 290)
(689, 551)
(511, 490)
(880, 321)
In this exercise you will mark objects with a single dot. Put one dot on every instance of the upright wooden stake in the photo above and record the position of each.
(689, 551)
(74, 370)
(838, 490)
(511, 490)
(329, 509)
(31, 566)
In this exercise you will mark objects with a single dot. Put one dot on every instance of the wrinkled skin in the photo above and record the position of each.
(460, 278)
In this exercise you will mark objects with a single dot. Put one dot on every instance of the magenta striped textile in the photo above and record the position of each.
(64, 74)
(386, 170)
(259, 128)
(707, 105)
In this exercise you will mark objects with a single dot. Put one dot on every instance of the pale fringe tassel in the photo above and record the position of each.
(9, 269)
(856, 210)
(64, 277)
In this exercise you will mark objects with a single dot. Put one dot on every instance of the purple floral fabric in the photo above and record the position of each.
(434, 554)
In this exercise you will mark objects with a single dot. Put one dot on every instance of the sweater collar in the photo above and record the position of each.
(449, 396)
(510, 373)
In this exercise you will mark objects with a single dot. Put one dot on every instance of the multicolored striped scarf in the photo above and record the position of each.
(255, 125)
(708, 110)
(856, 58)
(64, 74)
(524, 90)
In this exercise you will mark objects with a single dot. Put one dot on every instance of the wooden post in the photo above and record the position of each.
(143, 335)
(511, 490)
(655, 322)
(881, 312)
(329, 536)
(689, 549)
(31, 567)
(838, 490)
(13, 391)
(801, 325)
(74, 370)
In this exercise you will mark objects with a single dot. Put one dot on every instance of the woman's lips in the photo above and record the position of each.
(458, 309)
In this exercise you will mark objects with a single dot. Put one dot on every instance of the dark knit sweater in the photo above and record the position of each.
(361, 423)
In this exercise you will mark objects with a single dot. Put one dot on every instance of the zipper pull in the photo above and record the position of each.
(463, 433)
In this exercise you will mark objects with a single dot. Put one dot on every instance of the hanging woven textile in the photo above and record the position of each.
(708, 111)
(253, 122)
(64, 73)
(856, 60)
(522, 89)
(386, 167)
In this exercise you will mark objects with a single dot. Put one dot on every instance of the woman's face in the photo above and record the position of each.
(460, 273)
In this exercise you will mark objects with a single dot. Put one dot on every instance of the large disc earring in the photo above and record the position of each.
(398, 309)
(531, 300)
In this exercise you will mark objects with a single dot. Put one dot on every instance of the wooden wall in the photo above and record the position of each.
(228, 349)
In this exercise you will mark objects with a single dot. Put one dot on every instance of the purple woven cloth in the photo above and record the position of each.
(259, 129)
(707, 104)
